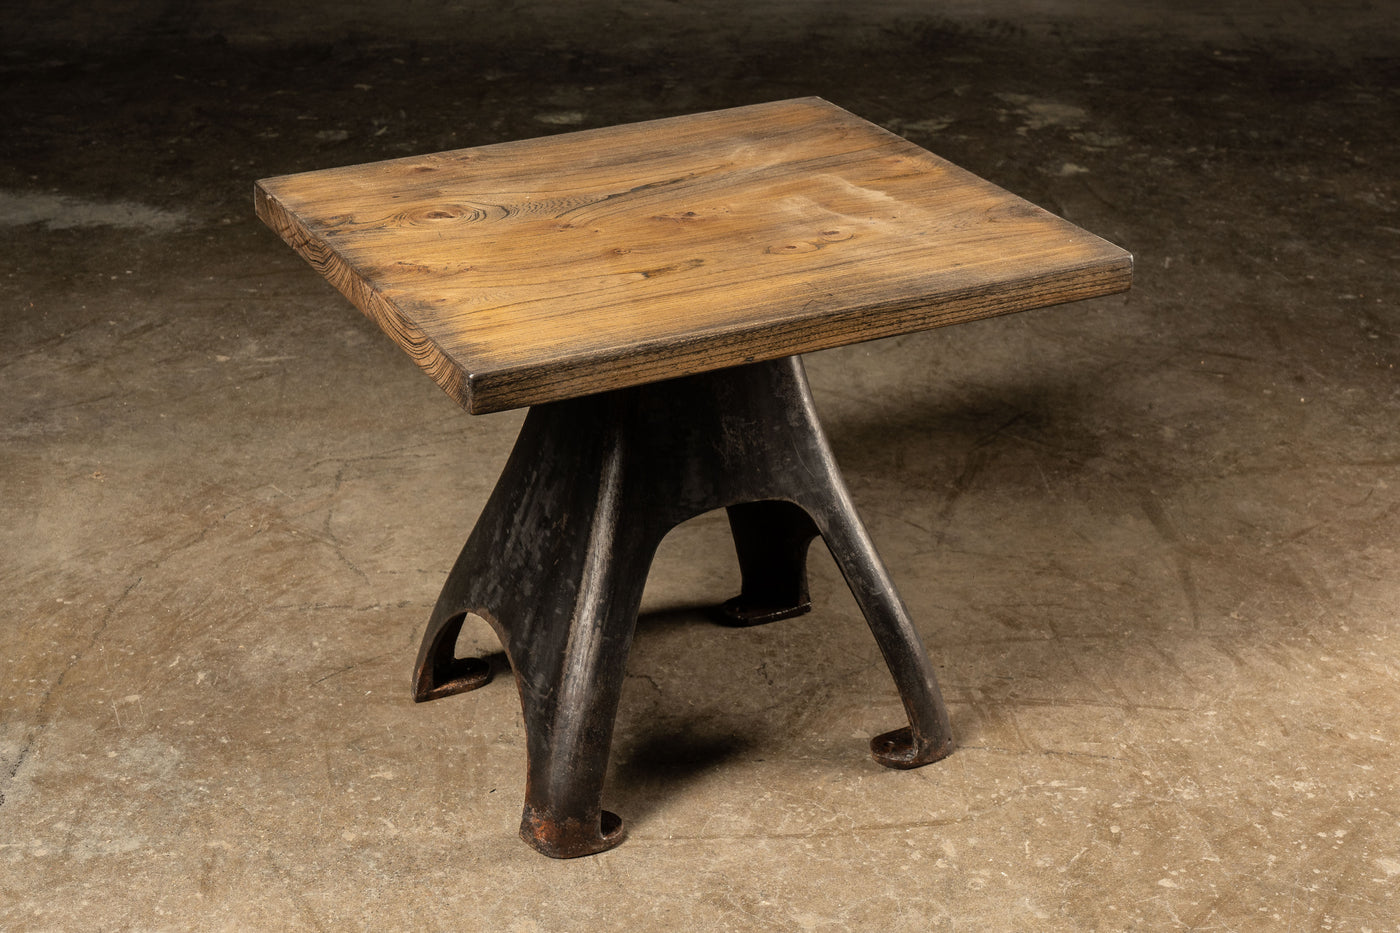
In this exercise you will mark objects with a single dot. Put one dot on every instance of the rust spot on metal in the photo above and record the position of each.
(571, 837)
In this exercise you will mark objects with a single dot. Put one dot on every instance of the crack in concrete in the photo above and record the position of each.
(351, 667)
(328, 536)
(40, 724)
(1186, 575)
(973, 463)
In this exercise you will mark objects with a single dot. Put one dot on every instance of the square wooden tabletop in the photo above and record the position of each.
(533, 271)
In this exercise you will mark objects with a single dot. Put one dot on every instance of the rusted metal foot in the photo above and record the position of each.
(902, 749)
(558, 559)
(571, 837)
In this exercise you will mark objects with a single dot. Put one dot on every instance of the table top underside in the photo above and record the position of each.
(533, 271)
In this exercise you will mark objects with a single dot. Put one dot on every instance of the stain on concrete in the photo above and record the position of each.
(1038, 113)
(64, 212)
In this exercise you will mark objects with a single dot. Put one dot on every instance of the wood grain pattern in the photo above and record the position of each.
(544, 269)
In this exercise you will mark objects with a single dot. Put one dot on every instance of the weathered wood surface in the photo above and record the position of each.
(532, 271)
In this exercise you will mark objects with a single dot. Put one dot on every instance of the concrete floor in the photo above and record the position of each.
(1152, 541)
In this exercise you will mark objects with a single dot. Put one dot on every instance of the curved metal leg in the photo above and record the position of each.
(797, 461)
(569, 690)
(570, 664)
(929, 736)
(556, 564)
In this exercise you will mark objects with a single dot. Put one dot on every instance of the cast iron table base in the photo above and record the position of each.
(557, 562)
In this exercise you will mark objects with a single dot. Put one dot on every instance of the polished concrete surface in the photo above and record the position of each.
(1152, 541)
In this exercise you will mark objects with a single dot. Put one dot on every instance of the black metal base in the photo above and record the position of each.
(558, 559)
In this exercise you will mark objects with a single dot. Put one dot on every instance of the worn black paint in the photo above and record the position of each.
(558, 559)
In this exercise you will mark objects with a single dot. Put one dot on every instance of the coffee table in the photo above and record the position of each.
(646, 289)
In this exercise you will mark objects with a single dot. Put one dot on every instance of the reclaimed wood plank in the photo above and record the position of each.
(543, 269)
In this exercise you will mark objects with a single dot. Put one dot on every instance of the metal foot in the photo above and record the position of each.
(771, 540)
(570, 837)
(901, 749)
(440, 673)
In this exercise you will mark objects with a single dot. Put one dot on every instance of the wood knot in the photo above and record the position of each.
(797, 247)
(680, 217)
(822, 239)
(683, 266)
(453, 213)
